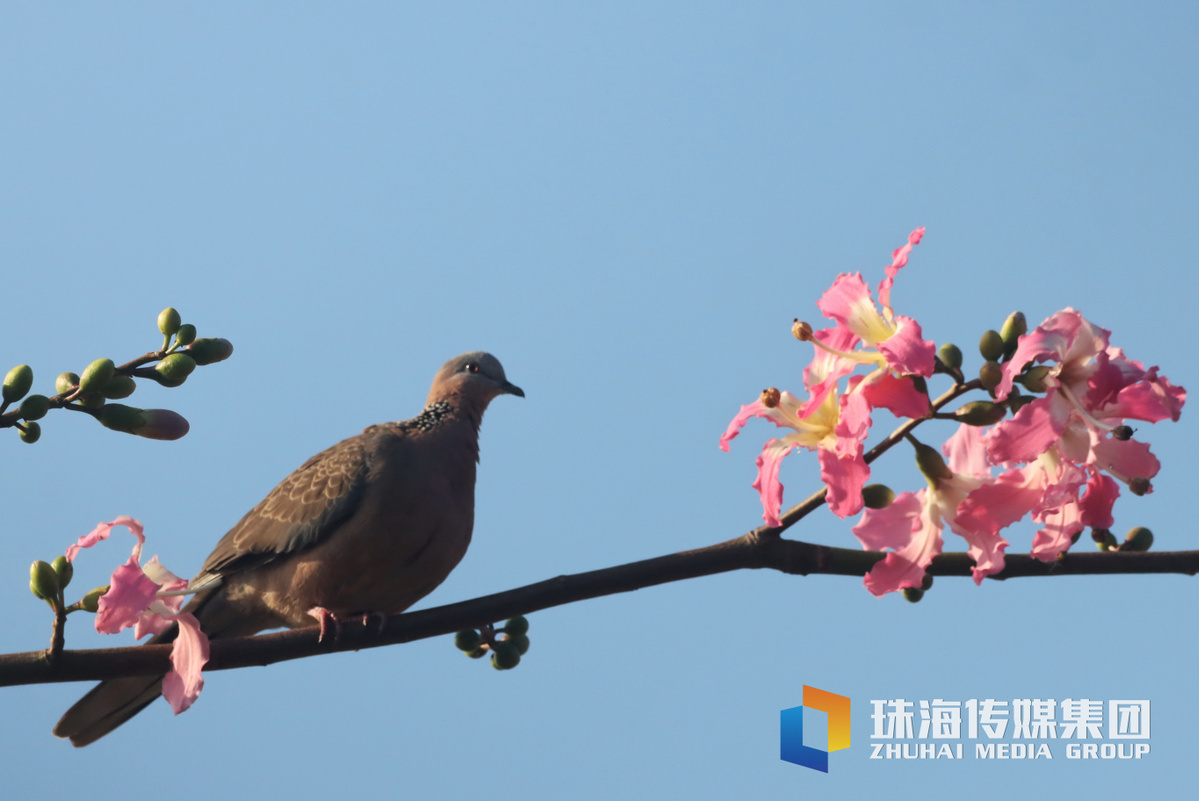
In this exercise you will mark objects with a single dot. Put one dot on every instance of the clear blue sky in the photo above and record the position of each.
(627, 204)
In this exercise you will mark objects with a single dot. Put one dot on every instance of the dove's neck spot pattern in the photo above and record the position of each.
(428, 419)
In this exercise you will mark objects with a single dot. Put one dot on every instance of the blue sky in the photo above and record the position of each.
(627, 204)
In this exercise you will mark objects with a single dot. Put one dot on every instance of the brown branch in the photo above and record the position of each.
(758, 549)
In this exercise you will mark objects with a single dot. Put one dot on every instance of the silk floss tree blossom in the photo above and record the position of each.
(148, 598)
(1062, 454)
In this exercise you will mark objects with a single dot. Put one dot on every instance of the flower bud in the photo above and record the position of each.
(1016, 402)
(1123, 433)
(32, 433)
(64, 569)
(912, 594)
(980, 413)
(520, 641)
(505, 656)
(770, 397)
(120, 417)
(1140, 486)
(43, 581)
(950, 355)
(185, 335)
(91, 601)
(1034, 378)
(34, 407)
(209, 350)
(931, 464)
(1138, 539)
(927, 583)
(17, 383)
(467, 640)
(478, 653)
(990, 374)
(120, 387)
(96, 376)
(990, 345)
(877, 496)
(168, 321)
(1014, 327)
(66, 382)
(176, 367)
(1104, 539)
(801, 330)
(517, 625)
(148, 423)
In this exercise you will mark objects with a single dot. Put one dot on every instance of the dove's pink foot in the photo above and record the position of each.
(382, 616)
(326, 619)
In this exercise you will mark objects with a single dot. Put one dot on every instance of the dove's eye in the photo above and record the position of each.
(472, 367)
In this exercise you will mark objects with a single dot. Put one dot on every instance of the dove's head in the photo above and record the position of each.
(472, 379)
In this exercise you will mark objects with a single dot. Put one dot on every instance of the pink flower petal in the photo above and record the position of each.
(1023, 438)
(899, 260)
(1004, 501)
(129, 594)
(183, 684)
(844, 476)
(907, 351)
(101, 532)
(1096, 504)
(769, 488)
(966, 453)
(897, 394)
(1056, 536)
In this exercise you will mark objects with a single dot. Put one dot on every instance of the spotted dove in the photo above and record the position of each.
(368, 526)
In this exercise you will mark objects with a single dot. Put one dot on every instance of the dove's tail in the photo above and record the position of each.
(114, 701)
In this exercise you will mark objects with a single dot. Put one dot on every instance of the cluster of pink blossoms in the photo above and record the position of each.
(1062, 456)
(148, 599)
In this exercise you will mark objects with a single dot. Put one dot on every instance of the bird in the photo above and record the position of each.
(368, 526)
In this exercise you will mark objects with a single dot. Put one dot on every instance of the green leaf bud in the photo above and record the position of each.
(912, 594)
(17, 383)
(1034, 377)
(168, 321)
(478, 653)
(32, 433)
(990, 374)
(185, 335)
(120, 387)
(43, 581)
(520, 641)
(209, 350)
(516, 625)
(91, 601)
(990, 345)
(980, 413)
(66, 382)
(1138, 539)
(505, 656)
(96, 376)
(931, 464)
(64, 569)
(35, 407)
(950, 355)
(467, 640)
(1014, 327)
(176, 367)
(877, 496)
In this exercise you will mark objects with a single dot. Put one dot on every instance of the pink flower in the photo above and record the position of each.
(910, 528)
(133, 600)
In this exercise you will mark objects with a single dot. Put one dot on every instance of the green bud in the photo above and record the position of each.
(877, 496)
(32, 433)
(209, 350)
(176, 367)
(467, 640)
(1017, 402)
(1034, 377)
(980, 413)
(91, 601)
(927, 584)
(520, 641)
(185, 335)
(35, 407)
(92, 400)
(1014, 327)
(990, 345)
(168, 321)
(66, 382)
(505, 656)
(950, 355)
(43, 581)
(96, 376)
(516, 625)
(17, 383)
(1138, 539)
(990, 374)
(64, 569)
(931, 464)
(163, 424)
(912, 594)
(1104, 539)
(120, 387)
(478, 653)
(120, 417)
